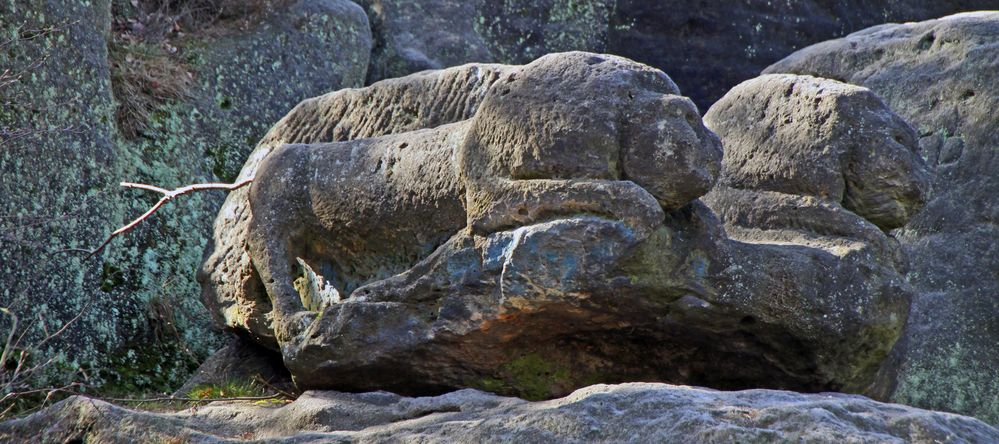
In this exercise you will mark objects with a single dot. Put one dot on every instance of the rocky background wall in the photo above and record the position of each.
(175, 92)
(103, 92)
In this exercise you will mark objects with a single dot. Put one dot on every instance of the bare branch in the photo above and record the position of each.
(173, 398)
(48, 391)
(143, 186)
(168, 195)
(59, 332)
(8, 136)
(69, 389)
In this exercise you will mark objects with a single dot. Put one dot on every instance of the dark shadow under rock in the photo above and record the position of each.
(243, 362)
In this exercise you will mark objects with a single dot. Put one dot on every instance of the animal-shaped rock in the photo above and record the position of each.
(815, 173)
(545, 233)
(815, 162)
(231, 287)
(568, 134)
(941, 76)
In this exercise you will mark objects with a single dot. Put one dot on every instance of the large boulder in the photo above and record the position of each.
(623, 413)
(706, 47)
(252, 78)
(941, 76)
(58, 160)
(815, 162)
(66, 147)
(543, 233)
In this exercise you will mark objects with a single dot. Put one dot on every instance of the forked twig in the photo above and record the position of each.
(168, 195)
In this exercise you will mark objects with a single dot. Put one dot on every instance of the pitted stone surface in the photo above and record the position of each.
(601, 413)
(540, 233)
(941, 76)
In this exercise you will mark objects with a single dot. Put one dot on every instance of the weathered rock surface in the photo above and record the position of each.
(620, 281)
(942, 76)
(815, 162)
(601, 413)
(250, 79)
(57, 124)
(707, 48)
(63, 155)
(567, 134)
(231, 288)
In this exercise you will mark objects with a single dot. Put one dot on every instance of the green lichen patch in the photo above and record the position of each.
(954, 380)
(146, 370)
(519, 31)
(196, 107)
(529, 376)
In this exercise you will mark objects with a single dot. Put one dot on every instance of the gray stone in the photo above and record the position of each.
(250, 79)
(231, 288)
(241, 361)
(57, 161)
(941, 76)
(501, 249)
(706, 47)
(814, 162)
(601, 413)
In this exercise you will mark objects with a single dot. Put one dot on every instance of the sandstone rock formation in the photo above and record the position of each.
(240, 361)
(942, 76)
(615, 280)
(567, 134)
(525, 230)
(624, 413)
(706, 47)
(231, 288)
(815, 162)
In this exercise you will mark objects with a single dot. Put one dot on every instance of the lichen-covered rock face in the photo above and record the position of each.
(706, 48)
(57, 159)
(602, 413)
(941, 76)
(558, 267)
(63, 156)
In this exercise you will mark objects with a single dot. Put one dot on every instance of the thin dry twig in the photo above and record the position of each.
(266, 384)
(68, 389)
(168, 195)
(173, 398)
(49, 392)
(66, 325)
(12, 379)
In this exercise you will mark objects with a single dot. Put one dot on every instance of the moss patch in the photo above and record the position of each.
(151, 370)
(530, 376)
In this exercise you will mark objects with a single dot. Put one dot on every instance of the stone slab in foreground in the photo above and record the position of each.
(639, 412)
